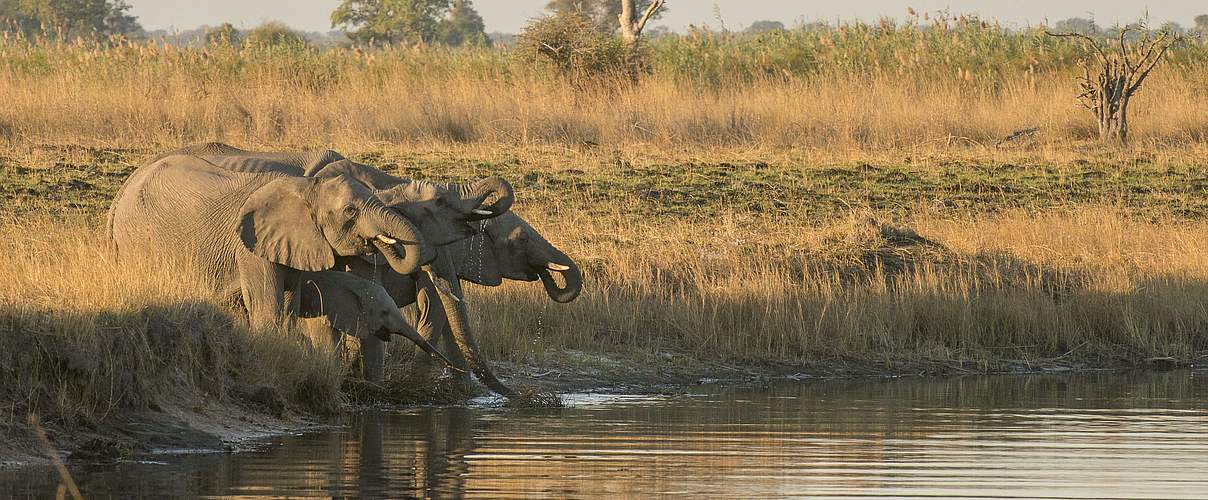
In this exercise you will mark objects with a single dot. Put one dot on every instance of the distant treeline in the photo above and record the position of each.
(977, 52)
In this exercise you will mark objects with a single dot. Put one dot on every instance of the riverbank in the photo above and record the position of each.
(727, 264)
(190, 427)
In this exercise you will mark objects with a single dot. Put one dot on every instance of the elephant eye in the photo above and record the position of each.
(350, 212)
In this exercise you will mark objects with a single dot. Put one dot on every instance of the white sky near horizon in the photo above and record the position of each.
(510, 15)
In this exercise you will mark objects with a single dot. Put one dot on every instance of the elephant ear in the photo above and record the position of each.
(367, 175)
(475, 261)
(277, 224)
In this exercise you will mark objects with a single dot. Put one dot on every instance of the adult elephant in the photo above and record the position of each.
(435, 296)
(439, 211)
(252, 235)
(507, 247)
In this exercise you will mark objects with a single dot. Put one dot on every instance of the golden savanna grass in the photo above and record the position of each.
(83, 337)
(855, 87)
(982, 293)
(823, 198)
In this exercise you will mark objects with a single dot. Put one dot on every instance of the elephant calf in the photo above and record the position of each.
(344, 304)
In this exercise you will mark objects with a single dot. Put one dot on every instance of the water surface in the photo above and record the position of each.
(1098, 435)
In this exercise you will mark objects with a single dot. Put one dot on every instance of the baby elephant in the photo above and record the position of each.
(355, 306)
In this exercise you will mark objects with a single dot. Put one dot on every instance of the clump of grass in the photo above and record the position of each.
(83, 337)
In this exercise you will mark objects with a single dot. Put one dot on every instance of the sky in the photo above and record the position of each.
(511, 15)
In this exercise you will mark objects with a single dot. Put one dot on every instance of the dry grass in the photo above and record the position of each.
(849, 89)
(982, 293)
(721, 206)
(83, 337)
(853, 114)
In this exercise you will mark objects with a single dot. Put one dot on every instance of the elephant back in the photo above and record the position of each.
(242, 160)
(181, 207)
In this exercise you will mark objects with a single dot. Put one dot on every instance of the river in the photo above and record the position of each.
(1084, 435)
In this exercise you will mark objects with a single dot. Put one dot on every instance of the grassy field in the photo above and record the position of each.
(854, 87)
(976, 261)
(830, 201)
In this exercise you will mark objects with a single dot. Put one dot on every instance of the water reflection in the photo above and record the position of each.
(1080, 436)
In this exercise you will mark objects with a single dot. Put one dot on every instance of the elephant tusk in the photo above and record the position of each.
(553, 266)
(480, 211)
(440, 284)
(385, 239)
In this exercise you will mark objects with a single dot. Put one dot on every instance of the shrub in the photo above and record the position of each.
(273, 34)
(571, 43)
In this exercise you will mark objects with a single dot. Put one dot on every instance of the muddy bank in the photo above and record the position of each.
(192, 427)
(176, 428)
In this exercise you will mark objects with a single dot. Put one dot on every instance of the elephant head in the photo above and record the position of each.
(357, 307)
(440, 211)
(304, 223)
(511, 249)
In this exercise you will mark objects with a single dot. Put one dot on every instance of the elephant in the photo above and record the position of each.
(252, 235)
(440, 211)
(509, 248)
(433, 207)
(337, 303)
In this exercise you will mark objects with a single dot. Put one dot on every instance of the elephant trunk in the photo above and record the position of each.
(398, 241)
(571, 274)
(473, 195)
(427, 347)
(459, 324)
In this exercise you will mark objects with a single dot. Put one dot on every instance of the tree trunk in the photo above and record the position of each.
(629, 30)
(1122, 121)
(632, 25)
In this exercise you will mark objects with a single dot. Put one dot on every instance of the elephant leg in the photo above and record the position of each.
(428, 316)
(262, 284)
(373, 358)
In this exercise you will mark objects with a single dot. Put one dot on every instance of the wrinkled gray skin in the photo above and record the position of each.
(434, 208)
(337, 303)
(252, 235)
(440, 211)
(509, 248)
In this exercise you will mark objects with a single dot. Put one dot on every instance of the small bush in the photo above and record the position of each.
(573, 46)
(274, 34)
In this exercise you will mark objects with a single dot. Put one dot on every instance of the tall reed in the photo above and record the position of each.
(854, 86)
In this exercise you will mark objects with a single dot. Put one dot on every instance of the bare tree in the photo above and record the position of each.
(1121, 72)
(632, 24)
(631, 31)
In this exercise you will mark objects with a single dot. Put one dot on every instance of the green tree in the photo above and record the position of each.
(765, 26)
(1077, 25)
(463, 25)
(391, 21)
(14, 18)
(225, 34)
(1201, 22)
(273, 33)
(71, 17)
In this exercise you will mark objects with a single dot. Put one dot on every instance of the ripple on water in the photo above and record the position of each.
(1067, 436)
